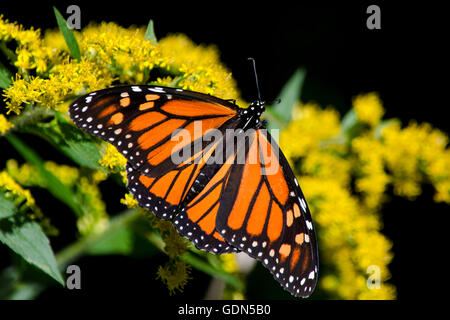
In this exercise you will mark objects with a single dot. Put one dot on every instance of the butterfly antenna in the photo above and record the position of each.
(256, 77)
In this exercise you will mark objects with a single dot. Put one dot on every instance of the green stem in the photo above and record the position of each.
(78, 248)
(8, 52)
(31, 116)
(205, 267)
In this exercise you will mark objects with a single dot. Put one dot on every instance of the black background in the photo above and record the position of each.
(402, 62)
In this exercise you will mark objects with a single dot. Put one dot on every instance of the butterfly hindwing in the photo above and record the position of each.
(272, 223)
(197, 220)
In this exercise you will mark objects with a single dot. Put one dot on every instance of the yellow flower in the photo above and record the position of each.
(313, 125)
(442, 191)
(5, 125)
(200, 66)
(175, 275)
(112, 159)
(229, 262)
(129, 201)
(368, 108)
(54, 40)
(372, 179)
(119, 50)
(95, 218)
(31, 51)
(349, 238)
(110, 52)
(66, 174)
(11, 187)
(24, 201)
(325, 165)
(27, 174)
(65, 80)
(412, 151)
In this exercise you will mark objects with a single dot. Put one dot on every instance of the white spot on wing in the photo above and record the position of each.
(303, 204)
(157, 89)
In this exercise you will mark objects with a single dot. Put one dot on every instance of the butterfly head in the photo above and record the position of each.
(253, 113)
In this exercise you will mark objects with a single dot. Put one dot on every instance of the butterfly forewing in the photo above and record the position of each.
(142, 122)
(197, 219)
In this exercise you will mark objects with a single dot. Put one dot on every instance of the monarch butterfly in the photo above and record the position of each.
(221, 207)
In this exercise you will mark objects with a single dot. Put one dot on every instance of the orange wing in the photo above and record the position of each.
(149, 126)
(263, 212)
(255, 206)
(197, 220)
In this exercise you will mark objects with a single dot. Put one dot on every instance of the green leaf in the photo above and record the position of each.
(27, 239)
(150, 32)
(273, 120)
(83, 245)
(83, 151)
(351, 127)
(26, 291)
(54, 185)
(72, 142)
(119, 241)
(77, 145)
(68, 35)
(378, 131)
(7, 207)
(289, 95)
(348, 121)
(5, 77)
(9, 276)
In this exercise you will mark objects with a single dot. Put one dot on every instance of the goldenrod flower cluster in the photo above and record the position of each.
(85, 187)
(382, 153)
(5, 125)
(24, 201)
(417, 152)
(48, 77)
(368, 108)
(110, 53)
(15, 191)
(31, 53)
(175, 275)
